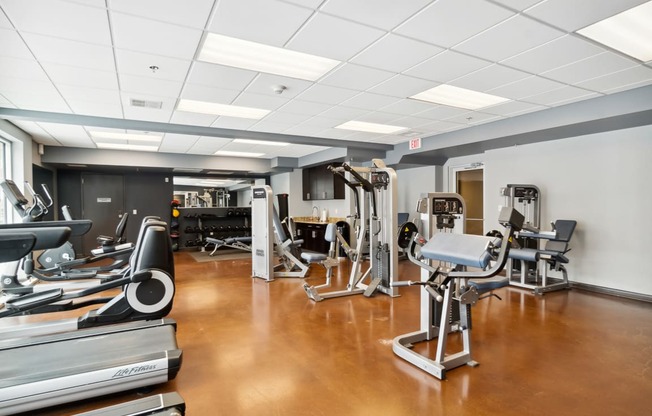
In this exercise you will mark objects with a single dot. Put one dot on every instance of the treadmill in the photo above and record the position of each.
(49, 370)
(56, 368)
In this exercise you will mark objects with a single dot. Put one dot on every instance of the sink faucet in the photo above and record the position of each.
(315, 213)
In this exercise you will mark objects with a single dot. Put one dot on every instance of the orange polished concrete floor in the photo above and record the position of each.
(257, 348)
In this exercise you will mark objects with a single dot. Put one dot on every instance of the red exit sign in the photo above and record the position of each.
(415, 143)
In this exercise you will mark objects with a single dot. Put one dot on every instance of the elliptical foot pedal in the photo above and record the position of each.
(33, 300)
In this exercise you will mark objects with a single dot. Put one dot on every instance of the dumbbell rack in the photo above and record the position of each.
(195, 224)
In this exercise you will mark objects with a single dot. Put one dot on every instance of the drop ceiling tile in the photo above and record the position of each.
(446, 66)
(5, 103)
(13, 46)
(572, 15)
(407, 107)
(326, 94)
(370, 101)
(177, 143)
(363, 137)
(45, 100)
(560, 96)
(473, 118)
(442, 126)
(96, 95)
(265, 84)
(320, 123)
(264, 101)
(135, 85)
(209, 145)
(356, 77)
(383, 14)
(512, 108)
(448, 22)
(378, 117)
(332, 37)
(71, 53)
(488, 78)
(4, 22)
(311, 4)
(269, 127)
(282, 117)
(21, 68)
(265, 21)
(635, 76)
(518, 4)
(558, 52)
(402, 86)
(81, 76)
(209, 94)
(68, 135)
(94, 108)
(27, 86)
(192, 13)
(305, 107)
(192, 119)
(500, 42)
(341, 112)
(149, 36)
(526, 87)
(334, 133)
(396, 53)
(595, 66)
(138, 63)
(233, 123)
(442, 112)
(220, 76)
(37, 133)
(59, 19)
(410, 122)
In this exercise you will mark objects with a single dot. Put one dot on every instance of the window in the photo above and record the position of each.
(5, 164)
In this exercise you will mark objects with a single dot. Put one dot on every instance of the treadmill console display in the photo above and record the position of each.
(446, 206)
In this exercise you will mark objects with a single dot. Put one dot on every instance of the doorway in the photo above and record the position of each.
(469, 182)
(102, 203)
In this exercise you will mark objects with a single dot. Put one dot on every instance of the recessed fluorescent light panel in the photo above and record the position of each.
(105, 135)
(629, 32)
(237, 154)
(120, 146)
(261, 142)
(224, 50)
(227, 110)
(458, 97)
(370, 127)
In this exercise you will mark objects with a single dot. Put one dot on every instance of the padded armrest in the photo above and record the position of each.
(46, 237)
(15, 245)
(460, 249)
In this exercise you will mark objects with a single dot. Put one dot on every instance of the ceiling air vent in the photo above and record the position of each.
(146, 104)
(412, 133)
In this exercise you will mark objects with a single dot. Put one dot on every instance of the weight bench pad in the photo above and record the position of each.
(313, 257)
(460, 249)
(526, 254)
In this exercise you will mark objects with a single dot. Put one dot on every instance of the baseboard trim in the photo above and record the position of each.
(612, 292)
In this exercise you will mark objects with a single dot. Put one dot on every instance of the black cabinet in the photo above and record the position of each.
(312, 235)
(320, 183)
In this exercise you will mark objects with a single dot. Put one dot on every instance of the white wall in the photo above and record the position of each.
(601, 181)
(412, 183)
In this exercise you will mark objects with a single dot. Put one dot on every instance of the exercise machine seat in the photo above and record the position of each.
(330, 235)
(460, 249)
(554, 249)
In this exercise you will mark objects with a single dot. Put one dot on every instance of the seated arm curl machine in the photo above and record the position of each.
(447, 287)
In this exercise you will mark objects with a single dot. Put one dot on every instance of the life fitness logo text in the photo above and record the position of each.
(131, 371)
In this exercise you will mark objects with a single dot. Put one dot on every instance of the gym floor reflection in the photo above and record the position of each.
(257, 348)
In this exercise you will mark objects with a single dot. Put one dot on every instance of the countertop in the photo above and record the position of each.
(311, 220)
